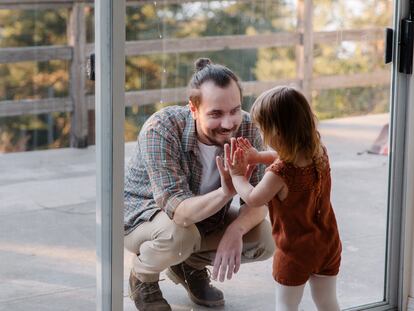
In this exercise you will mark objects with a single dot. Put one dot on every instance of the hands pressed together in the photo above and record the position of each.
(240, 157)
(239, 160)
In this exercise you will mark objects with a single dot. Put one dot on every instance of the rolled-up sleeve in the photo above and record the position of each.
(161, 154)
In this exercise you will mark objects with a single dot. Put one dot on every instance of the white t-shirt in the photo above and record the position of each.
(210, 178)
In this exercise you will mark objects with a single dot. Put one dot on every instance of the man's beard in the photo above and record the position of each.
(217, 133)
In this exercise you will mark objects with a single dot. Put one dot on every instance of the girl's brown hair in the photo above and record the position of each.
(284, 111)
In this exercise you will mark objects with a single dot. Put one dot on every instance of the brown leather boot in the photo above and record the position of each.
(197, 284)
(147, 296)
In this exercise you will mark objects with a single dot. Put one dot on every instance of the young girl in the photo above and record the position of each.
(297, 188)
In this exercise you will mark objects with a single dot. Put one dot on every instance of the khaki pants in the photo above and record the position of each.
(161, 243)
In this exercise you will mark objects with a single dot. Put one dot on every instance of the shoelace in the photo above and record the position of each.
(148, 288)
(203, 274)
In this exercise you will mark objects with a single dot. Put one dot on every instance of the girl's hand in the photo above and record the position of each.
(238, 165)
(251, 153)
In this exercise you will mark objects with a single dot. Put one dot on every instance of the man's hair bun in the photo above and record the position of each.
(201, 63)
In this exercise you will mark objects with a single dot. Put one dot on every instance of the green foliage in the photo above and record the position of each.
(343, 14)
(349, 57)
(26, 80)
(275, 64)
(32, 27)
(337, 103)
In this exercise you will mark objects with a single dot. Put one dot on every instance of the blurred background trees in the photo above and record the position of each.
(157, 20)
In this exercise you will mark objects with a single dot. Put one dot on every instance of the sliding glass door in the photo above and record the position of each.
(333, 51)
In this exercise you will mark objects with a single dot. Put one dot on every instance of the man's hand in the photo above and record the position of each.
(226, 182)
(228, 255)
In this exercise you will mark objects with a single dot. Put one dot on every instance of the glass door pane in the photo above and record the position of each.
(335, 56)
(351, 98)
(47, 188)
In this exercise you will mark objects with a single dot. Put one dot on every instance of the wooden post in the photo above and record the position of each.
(77, 40)
(304, 51)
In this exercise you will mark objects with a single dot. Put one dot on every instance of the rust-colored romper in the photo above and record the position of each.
(304, 224)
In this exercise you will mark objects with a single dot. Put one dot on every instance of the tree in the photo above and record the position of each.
(27, 80)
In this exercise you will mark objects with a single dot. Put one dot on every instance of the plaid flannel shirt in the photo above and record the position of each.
(166, 169)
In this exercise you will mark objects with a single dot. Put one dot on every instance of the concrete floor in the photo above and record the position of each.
(47, 229)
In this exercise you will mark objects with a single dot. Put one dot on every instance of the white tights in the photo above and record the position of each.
(323, 289)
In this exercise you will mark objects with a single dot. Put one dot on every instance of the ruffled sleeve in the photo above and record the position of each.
(279, 168)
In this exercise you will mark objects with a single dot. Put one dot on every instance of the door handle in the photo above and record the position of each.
(389, 36)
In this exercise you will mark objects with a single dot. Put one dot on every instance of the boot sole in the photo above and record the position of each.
(177, 280)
